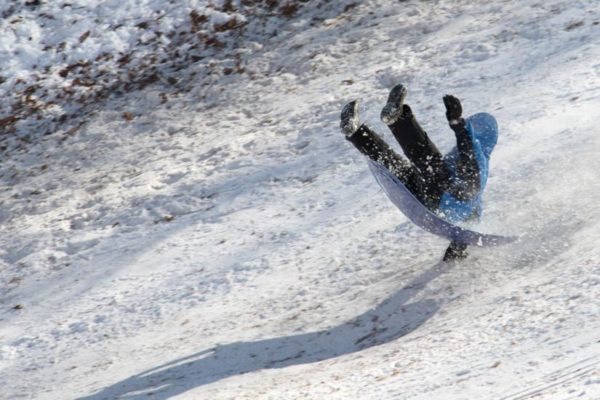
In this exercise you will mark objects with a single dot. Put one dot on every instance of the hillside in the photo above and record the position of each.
(196, 226)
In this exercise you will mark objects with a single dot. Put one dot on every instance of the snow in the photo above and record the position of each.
(209, 234)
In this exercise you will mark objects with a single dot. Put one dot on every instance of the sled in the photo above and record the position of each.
(417, 213)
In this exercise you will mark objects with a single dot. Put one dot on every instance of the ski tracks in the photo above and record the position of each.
(572, 381)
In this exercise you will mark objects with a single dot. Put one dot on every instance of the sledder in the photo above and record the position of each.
(451, 186)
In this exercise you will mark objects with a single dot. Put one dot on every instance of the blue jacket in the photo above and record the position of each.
(482, 129)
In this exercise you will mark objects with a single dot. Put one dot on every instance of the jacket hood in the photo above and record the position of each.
(484, 128)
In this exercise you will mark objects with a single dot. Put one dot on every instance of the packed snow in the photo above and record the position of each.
(182, 218)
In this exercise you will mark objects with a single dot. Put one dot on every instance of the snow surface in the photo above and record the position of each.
(214, 236)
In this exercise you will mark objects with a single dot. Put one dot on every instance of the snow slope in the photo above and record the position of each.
(218, 239)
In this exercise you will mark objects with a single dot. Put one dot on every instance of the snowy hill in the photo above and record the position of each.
(181, 217)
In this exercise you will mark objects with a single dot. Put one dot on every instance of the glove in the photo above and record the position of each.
(453, 108)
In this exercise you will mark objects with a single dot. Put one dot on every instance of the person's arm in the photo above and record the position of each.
(468, 182)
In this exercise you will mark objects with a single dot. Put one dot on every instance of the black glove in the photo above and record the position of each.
(453, 108)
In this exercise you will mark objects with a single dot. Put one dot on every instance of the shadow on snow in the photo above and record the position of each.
(390, 320)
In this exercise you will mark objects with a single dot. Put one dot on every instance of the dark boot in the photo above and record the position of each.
(393, 109)
(349, 119)
(456, 252)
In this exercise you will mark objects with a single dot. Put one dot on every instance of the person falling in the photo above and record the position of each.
(450, 186)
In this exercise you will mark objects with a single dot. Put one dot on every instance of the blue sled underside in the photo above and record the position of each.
(422, 217)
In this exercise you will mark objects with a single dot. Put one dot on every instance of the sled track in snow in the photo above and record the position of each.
(567, 375)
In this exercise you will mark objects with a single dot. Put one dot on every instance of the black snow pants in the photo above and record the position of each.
(424, 174)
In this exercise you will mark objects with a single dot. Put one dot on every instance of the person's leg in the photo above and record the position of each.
(373, 146)
(421, 151)
(415, 142)
(413, 139)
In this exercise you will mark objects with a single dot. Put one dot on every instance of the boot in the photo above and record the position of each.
(349, 119)
(393, 109)
(456, 252)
